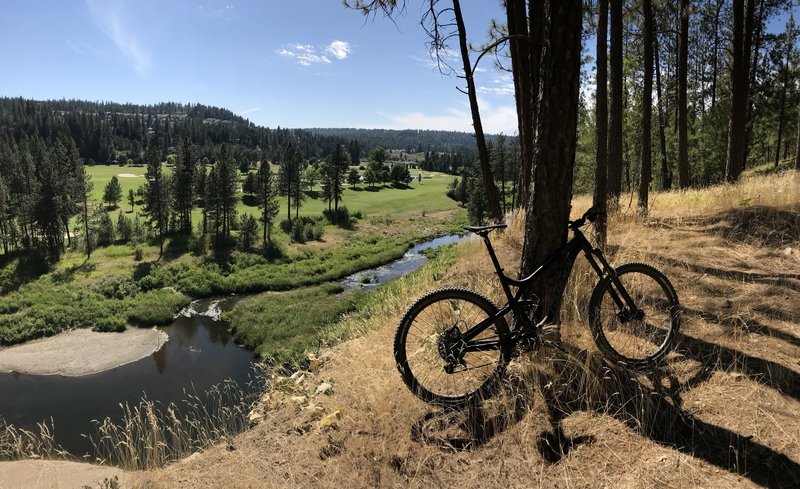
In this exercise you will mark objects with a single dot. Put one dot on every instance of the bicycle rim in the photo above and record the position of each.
(418, 351)
(636, 338)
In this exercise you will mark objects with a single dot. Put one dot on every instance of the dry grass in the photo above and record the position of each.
(18, 443)
(721, 412)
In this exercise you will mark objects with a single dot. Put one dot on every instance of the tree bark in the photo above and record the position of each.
(647, 108)
(753, 30)
(523, 67)
(600, 197)
(683, 55)
(797, 149)
(666, 178)
(547, 212)
(615, 113)
(782, 113)
(739, 88)
(492, 195)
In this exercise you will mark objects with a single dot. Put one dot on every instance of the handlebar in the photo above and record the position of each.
(589, 215)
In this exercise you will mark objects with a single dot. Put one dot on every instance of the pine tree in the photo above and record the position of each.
(156, 202)
(112, 193)
(267, 201)
(183, 182)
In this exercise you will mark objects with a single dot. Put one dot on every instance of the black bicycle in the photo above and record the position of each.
(453, 344)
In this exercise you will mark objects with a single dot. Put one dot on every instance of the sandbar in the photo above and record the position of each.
(81, 352)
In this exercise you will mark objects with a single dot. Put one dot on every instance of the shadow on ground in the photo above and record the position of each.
(649, 404)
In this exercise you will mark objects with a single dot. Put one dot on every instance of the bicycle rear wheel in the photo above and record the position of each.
(436, 363)
(635, 337)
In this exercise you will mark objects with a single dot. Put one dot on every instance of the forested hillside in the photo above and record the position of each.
(106, 132)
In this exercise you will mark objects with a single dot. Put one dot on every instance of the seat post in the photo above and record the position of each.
(496, 263)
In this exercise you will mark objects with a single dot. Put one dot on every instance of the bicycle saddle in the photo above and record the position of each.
(484, 230)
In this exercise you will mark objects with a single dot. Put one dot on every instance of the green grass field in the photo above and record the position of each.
(420, 197)
(113, 288)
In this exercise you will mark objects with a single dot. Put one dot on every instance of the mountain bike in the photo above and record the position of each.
(452, 345)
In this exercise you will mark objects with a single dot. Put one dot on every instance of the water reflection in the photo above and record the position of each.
(198, 355)
(412, 260)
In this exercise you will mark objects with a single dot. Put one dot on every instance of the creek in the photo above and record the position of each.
(199, 354)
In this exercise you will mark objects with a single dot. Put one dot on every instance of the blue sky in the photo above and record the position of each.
(289, 63)
(297, 63)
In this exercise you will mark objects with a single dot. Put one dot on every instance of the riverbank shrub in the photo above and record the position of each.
(340, 217)
(156, 307)
(280, 327)
(304, 228)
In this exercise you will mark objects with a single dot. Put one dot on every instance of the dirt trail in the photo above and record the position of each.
(722, 412)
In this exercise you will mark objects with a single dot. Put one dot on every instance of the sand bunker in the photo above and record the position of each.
(81, 352)
(129, 175)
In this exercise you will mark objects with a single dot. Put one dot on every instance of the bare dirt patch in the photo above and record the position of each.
(81, 352)
(51, 474)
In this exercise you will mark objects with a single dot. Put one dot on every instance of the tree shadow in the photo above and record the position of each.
(249, 200)
(651, 404)
(749, 324)
(766, 372)
(29, 266)
(68, 274)
(141, 270)
(176, 246)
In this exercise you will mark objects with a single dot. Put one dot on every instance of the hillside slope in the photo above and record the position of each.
(722, 412)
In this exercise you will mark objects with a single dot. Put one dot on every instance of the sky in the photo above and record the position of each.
(291, 63)
(288, 63)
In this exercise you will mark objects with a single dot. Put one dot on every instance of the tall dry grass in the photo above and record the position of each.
(18, 443)
(150, 435)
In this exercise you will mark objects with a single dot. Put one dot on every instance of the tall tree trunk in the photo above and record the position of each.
(782, 113)
(492, 195)
(797, 149)
(547, 211)
(683, 55)
(739, 88)
(66, 228)
(714, 63)
(753, 30)
(666, 178)
(86, 225)
(647, 108)
(525, 63)
(615, 113)
(521, 69)
(600, 197)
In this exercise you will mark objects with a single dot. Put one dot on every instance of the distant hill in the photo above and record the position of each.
(408, 140)
(111, 133)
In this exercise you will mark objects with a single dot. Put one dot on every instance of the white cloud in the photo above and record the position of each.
(217, 9)
(250, 111)
(502, 84)
(307, 54)
(108, 17)
(338, 49)
(494, 119)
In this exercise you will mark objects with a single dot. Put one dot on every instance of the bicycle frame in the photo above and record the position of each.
(567, 255)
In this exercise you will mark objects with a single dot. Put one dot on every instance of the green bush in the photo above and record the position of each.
(156, 307)
(304, 228)
(111, 324)
(340, 217)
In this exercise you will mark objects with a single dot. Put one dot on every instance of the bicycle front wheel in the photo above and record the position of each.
(635, 319)
(436, 363)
